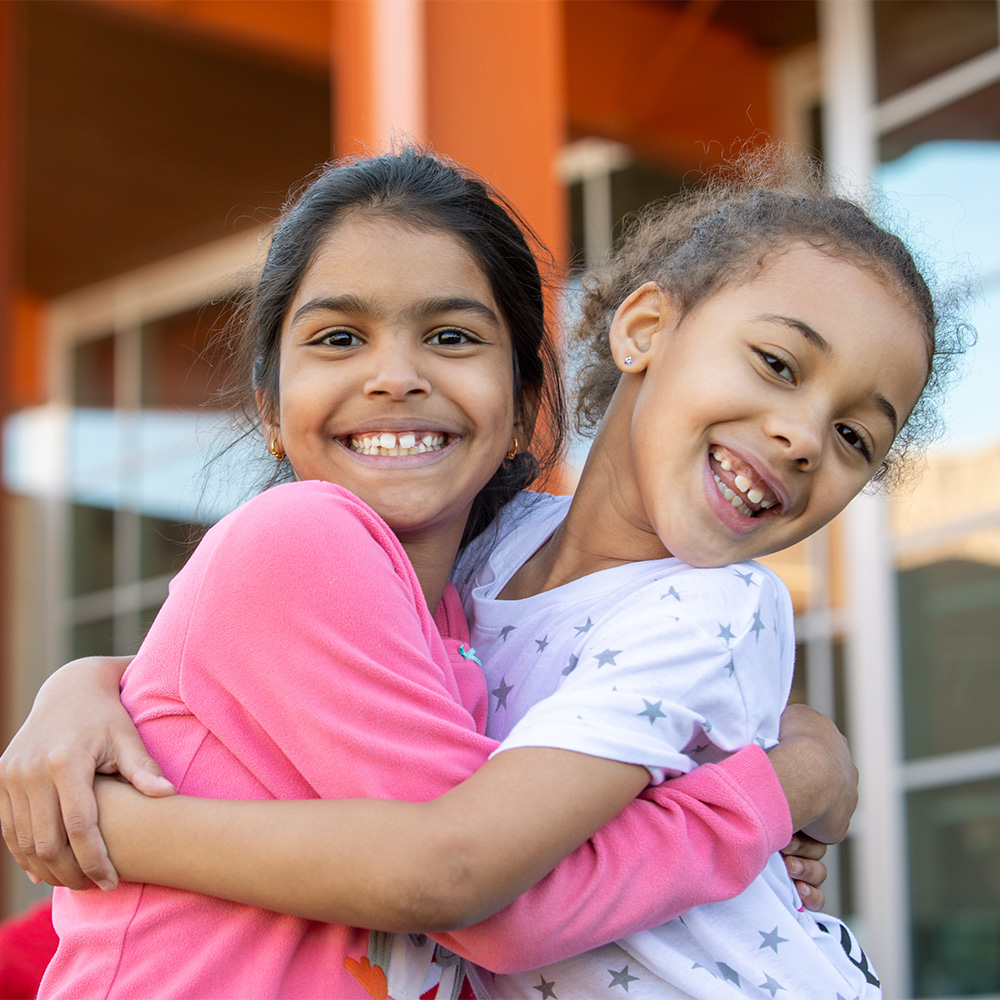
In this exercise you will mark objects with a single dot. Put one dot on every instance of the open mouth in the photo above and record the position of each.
(741, 485)
(386, 443)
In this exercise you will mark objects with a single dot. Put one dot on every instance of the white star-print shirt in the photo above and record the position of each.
(663, 665)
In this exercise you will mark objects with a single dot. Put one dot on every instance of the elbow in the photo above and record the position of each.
(435, 903)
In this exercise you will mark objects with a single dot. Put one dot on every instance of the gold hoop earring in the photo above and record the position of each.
(512, 454)
(276, 450)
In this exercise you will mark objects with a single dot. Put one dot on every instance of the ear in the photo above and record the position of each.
(268, 413)
(526, 415)
(647, 311)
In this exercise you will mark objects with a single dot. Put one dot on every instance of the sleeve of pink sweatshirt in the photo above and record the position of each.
(313, 657)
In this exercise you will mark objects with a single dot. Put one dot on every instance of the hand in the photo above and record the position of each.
(813, 764)
(803, 860)
(48, 813)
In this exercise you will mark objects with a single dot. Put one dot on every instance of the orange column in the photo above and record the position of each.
(496, 100)
(482, 82)
(8, 230)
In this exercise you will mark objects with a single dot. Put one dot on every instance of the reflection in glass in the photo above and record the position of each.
(954, 850)
(950, 634)
(164, 545)
(93, 373)
(92, 638)
(181, 358)
(93, 549)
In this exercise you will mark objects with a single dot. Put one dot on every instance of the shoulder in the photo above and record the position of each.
(721, 604)
(297, 525)
(300, 509)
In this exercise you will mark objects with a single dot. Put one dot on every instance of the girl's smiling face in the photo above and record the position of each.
(761, 413)
(396, 375)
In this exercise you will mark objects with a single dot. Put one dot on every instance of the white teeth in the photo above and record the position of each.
(764, 506)
(755, 495)
(728, 493)
(386, 443)
(726, 465)
(743, 482)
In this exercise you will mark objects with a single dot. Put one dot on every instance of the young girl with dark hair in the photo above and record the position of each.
(397, 336)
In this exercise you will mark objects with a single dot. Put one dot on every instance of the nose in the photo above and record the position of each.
(397, 373)
(799, 435)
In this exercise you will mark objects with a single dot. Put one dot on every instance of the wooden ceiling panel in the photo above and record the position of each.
(140, 141)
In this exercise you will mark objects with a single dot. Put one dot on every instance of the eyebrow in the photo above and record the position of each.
(423, 309)
(814, 338)
(819, 341)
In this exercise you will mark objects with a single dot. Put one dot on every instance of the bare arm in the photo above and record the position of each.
(77, 727)
(397, 866)
(428, 866)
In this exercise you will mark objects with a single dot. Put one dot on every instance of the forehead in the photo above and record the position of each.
(387, 260)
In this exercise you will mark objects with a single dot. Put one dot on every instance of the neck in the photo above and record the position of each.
(432, 555)
(602, 528)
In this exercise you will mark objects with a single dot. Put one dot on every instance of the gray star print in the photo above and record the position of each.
(608, 656)
(581, 629)
(670, 593)
(502, 692)
(771, 939)
(771, 985)
(747, 578)
(542, 643)
(653, 711)
(506, 631)
(725, 632)
(758, 625)
(731, 667)
(621, 978)
(727, 973)
(571, 666)
(545, 988)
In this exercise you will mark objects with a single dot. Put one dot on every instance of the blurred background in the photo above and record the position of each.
(145, 144)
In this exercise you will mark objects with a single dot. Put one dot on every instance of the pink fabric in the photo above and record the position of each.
(296, 658)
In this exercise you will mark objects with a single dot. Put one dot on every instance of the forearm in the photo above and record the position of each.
(396, 866)
(696, 839)
(308, 858)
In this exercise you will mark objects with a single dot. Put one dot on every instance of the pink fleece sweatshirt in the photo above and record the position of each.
(295, 658)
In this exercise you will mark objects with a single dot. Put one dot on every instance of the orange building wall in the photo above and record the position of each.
(663, 80)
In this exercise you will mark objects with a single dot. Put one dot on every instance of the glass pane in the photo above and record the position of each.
(636, 186)
(950, 633)
(917, 39)
(182, 356)
(164, 545)
(92, 638)
(92, 367)
(93, 549)
(954, 854)
(974, 117)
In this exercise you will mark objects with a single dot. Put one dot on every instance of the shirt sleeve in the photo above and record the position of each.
(310, 654)
(684, 671)
(695, 839)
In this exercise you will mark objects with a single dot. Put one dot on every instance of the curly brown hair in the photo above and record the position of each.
(720, 233)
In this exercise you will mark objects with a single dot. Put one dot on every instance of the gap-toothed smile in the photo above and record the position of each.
(387, 443)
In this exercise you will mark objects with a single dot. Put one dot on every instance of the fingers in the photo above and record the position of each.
(805, 846)
(137, 767)
(812, 873)
(812, 898)
(85, 852)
